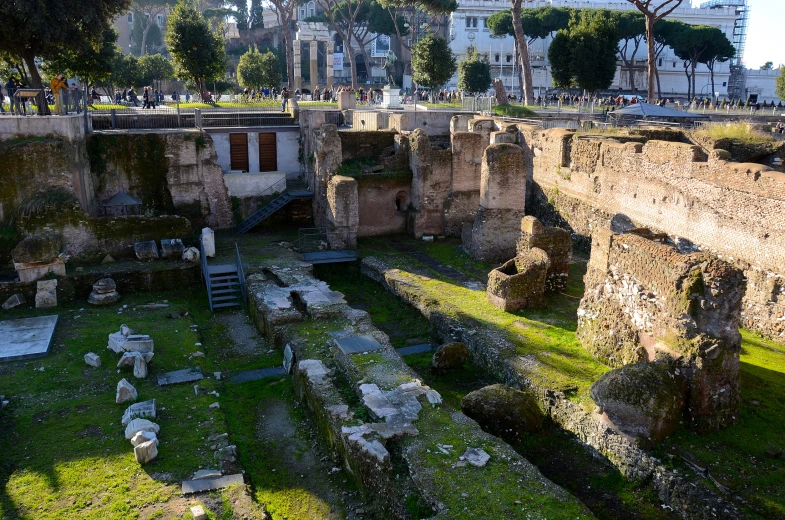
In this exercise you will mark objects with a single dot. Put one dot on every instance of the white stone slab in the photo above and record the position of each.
(26, 338)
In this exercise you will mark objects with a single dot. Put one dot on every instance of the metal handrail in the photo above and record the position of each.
(206, 274)
(238, 262)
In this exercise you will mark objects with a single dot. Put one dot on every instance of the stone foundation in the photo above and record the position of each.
(556, 243)
(645, 301)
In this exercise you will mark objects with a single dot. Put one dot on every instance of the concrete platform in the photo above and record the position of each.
(26, 338)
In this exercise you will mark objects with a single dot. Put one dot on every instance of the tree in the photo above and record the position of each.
(769, 65)
(284, 10)
(585, 54)
(632, 29)
(474, 72)
(433, 63)
(125, 73)
(664, 34)
(780, 85)
(92, 62)
(198, 53)
(694, 44)
(152, 37)
(653, 14)
(154, 67)
(256, 19)
(527, 88)
(32, 29)
(720, 50)
(146, 14)
(257, 69)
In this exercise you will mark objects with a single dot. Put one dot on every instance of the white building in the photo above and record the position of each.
(760, 85)
(467, 26)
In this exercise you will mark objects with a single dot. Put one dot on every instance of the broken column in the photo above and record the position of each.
(645, 301)
(343, 212)
(557, 244)
(104, 292)
(496, 228)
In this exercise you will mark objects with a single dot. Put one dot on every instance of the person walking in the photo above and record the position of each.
(2, 100)
(57, 85)
(145, 98)
(285, 98)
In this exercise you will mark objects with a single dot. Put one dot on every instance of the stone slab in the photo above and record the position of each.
(259, 373)
(416, 349)
(357, 344)
(185, 375)
(26, 338)
(209, 484)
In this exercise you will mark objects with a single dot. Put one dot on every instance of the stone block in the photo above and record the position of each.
(451, 356)
(146, 251)
(125, 392)
(503, 411)
(146, 451)
(138, 425)
(520, 282)
(198, 511)
(142, 437)
(46, 294)
(143, 410)
(140, 367)
(503, 179)
(191, 255)
(14, 301)
(172, 248)
(104, 292)
(343, 212)
(38, 255)
(208, 242)
(92, 359)
(644, 401)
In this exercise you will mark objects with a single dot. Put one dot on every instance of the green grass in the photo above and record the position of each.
(399, 321)
(441, 105)
(740, 131)
(513, 111)
(64, 452)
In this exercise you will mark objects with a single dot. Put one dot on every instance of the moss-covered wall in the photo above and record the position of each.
(171, 173)
(29, 165)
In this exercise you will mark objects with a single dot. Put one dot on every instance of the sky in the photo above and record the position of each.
(766, 28)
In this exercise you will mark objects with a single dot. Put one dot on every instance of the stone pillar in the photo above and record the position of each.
(253, 152)
(344, 212)
(494, 234)
(314, 64)
(298, 78)
(330, 73)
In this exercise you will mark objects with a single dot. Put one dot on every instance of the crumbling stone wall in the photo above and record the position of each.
(382, 203)
(519, 283)
(431, 176)
(464, 196)
(327, 157)
(646, 301)
(343, 215)
(494, 234)
(556, 243)
(734, 209)
(356, 144)
(171, 173)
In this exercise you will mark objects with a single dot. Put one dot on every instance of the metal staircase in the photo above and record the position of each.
(225, 282)
(280, 194)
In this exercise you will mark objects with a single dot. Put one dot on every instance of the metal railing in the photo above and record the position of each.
(311, 239)
(206, 274)
(477, 104)
(238, 262)
(130, 115)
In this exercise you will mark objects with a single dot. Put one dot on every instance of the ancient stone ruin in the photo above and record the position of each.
(520, 282)
(556, 243)
(646, 302)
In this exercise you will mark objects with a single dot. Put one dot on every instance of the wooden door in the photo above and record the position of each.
(268, 152)
(238, 151)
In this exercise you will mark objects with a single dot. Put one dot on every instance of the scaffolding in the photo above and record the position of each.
(736, 82)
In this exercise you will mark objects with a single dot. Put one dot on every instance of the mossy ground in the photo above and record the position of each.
(64, 452)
